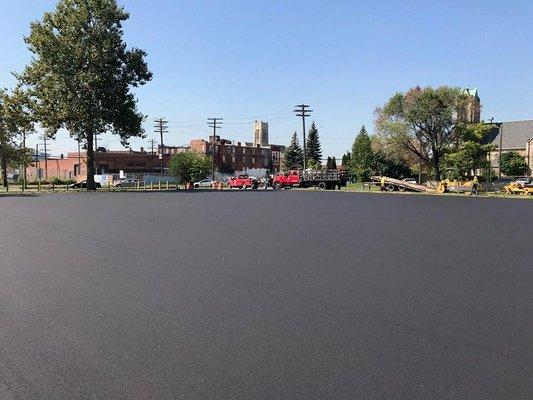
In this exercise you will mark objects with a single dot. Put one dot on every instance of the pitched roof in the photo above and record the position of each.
(515, 134)
(471, 91)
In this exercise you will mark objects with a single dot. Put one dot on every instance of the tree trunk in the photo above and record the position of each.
(4, 172)
(91, 187)
(436, 165)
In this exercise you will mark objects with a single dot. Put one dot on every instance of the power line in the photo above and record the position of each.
(152, 143)
(161, 127)
(302, 110)
(44, 138)
(215, 124)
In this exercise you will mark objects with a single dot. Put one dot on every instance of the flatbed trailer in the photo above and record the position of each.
(392, 185)
(325, 180)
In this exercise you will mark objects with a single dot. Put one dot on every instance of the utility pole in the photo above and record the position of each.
(44, 139)
(500, 151)
(152, 143)
(79, 158)
(302, 110)
(161, 127)
(24, 155)
(37, 163)
(490, 158)
(215, 124)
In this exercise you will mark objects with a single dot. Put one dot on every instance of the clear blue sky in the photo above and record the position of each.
(245, 59)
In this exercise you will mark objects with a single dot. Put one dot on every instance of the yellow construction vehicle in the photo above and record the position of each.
(457, 186)
(518, 188)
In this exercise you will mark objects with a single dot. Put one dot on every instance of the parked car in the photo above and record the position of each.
(241, 182)
(124, 183)
(82, 185)
(204, 183)
(524, 180)
(410, 180)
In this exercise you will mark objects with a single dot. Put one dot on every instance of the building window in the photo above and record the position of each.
(223, 159)
(233, 159)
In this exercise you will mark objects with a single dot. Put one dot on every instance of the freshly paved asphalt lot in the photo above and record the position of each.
(254, 295)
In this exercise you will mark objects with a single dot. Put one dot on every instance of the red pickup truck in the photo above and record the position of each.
(241, 182)
(329, 179)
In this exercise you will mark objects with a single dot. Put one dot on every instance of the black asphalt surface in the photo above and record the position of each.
(276, 295)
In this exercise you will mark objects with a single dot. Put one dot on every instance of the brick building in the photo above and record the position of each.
(74, 164)
(240, 156)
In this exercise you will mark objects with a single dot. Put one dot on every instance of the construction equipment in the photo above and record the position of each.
(391, 185)
(455, 186)
(518, 188)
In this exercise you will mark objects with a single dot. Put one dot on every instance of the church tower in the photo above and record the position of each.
(474, 105)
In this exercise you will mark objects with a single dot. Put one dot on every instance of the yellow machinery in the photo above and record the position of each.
(457, 186)
(518, 188)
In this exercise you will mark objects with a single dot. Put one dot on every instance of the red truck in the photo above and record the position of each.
(326, 180)
(241, 182)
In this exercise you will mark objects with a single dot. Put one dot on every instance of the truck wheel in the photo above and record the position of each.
(277, 186)
(402, 189)
(322, 186)
(244, 187)
(391, 188)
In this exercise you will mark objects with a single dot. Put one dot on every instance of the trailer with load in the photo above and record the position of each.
(324, 180)
(392, 185)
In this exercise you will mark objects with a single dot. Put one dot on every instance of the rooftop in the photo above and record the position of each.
(515, 134)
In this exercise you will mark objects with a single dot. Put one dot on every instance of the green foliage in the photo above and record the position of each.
(313, 164)
(513, 164)
(293, 157)
(469, 157)
(313, 149)
(331, 163)
(81, 73)
(15, 119)
(391, 166)
(346, 159)
(362, 157)
(190, 166)
(425, 121)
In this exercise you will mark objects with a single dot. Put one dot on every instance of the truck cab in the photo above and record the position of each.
(240, 181)
(286, 179)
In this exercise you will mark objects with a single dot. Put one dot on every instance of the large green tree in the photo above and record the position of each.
(362, 156)
(190, 166)
(15, 121)
(425, 121)
(313, 149)
(293, 156)
(513, 164)
(81, 73)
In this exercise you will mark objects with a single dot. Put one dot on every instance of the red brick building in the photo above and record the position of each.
(74, 165)
(240, 156)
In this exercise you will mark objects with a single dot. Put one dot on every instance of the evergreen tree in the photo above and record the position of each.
(313, 150)
(331, 163)
(293, 157)
(362, 159)
(346, 159)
